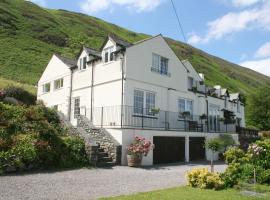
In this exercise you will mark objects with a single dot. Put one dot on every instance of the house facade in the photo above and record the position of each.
(142, 89)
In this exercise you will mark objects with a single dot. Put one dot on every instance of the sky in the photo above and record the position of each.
(235, 30)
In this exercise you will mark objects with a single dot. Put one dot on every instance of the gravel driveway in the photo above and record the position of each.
(93, 183)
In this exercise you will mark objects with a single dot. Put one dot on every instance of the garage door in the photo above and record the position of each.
(169, 150)
(196, 148)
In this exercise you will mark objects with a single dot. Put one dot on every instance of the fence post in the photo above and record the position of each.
(102, 117)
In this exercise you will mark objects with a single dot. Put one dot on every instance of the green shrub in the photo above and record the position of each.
(236, 155)
(75, 151)
(202, 178)
(33, 137)
(21, 95)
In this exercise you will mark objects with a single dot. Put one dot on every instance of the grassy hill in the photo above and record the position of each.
(29, 35)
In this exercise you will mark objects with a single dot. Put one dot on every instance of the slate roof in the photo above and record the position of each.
(92, 52)
(119, 41)
(69, 62)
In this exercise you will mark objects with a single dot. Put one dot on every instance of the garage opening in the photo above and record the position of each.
(169, 150)
(196, 148)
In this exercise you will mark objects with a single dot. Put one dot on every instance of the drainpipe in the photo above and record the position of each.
(122, 89)
(92, 92)
(70, 95)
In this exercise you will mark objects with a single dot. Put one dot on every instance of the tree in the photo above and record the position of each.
(214, 144)
(259, 109)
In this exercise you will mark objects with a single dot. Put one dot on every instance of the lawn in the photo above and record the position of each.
(188, 193)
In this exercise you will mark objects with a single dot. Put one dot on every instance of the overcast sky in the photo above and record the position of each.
(236, 30)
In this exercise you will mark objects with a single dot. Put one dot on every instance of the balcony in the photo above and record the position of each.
(154, 119)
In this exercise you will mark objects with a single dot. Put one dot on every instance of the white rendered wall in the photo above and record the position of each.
(56, 69)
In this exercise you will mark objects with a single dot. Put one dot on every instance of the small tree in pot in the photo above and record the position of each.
(214, 144)
(137, 149)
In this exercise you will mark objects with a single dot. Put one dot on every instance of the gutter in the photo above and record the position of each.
(92, 92)
(70, 94)
(122, 88)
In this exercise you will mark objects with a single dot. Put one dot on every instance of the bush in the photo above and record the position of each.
(75, 152)
(235, 155)
(33, 137)
(236, 173)
(202, 178)
(21, 95)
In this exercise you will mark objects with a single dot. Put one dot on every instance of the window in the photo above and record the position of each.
(185, 105)
(225, 102)
(150, 102)
(144, 101)
(138, 101)
(58, 83)
(46, 87)
(76, 107)
(108, 54)
(190, 83)
(160, 64)
(55, 107)
(83, 62)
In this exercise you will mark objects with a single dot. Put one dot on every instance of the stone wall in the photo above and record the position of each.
(102, 138)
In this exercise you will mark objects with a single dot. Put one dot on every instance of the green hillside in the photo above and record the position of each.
(29, 35)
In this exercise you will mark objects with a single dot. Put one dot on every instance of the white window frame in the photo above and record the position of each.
(110, 51)
(61, 83)
(157, 64)
(148, 102)
(186, 106)
(76, 110)
(44, 86)
(190, 82)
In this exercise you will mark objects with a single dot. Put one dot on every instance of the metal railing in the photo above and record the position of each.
(142, 118)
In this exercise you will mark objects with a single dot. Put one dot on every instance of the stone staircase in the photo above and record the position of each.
(102, 148)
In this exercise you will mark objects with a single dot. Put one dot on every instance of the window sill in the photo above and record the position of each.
(107, 63)
(58, 89)
(144, 116)
(159, 72)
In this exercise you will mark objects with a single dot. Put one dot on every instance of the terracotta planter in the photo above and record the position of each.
(134, 160)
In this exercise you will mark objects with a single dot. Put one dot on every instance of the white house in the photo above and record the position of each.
(142, 89)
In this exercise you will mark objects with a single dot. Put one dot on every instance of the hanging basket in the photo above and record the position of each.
(134, 160)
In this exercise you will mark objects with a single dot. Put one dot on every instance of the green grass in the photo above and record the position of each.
(188, 193)
(4, 83)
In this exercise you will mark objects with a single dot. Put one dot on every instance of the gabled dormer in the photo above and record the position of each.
(111, 46)
(87, 55)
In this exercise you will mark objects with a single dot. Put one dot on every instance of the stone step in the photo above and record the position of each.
(102, 154)
(106, 164)
(105, 159)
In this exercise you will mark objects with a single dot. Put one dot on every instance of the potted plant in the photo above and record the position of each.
(137, 149)
(154, 111)
(203, 116)
(194, 89)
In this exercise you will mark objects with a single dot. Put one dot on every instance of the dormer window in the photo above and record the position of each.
(108, 54)
(83, 63)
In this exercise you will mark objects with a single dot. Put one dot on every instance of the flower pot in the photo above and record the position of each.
(134, 160)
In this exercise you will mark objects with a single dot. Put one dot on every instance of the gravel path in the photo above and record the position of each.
(93, 183)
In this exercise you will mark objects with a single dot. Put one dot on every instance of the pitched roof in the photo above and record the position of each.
(223, 91)
(69, 62)
(117, 40)
(91, 51)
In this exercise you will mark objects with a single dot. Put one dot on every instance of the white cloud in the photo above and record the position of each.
(263, 51)
(262, 66)
(94, 6)
(234, 22)
(39, 2)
